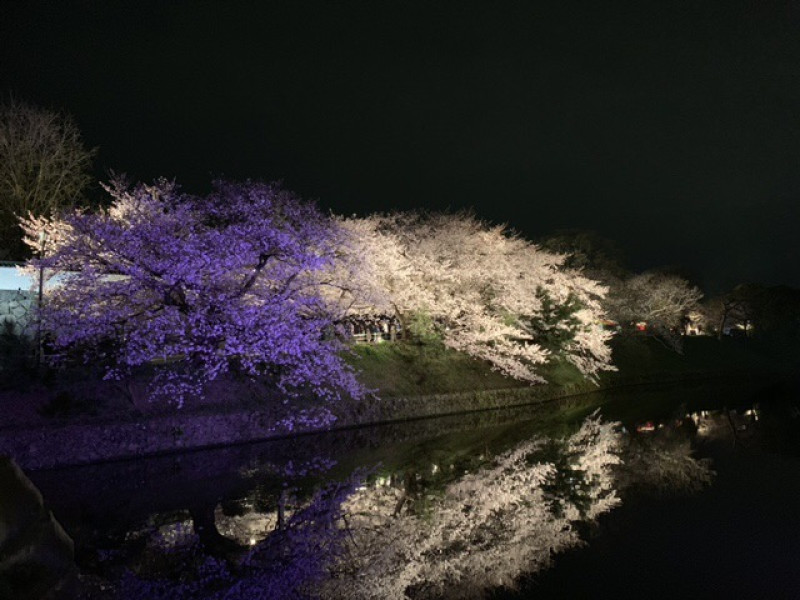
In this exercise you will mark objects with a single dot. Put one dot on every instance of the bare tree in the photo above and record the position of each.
(729, 310)
(44, 166)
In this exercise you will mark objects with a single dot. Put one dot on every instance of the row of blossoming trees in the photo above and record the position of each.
(254, 279)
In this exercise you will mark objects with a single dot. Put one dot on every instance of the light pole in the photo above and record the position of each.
(42, 244)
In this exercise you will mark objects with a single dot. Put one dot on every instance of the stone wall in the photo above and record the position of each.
(16, 311)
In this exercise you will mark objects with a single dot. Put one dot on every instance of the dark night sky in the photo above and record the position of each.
(669, 127)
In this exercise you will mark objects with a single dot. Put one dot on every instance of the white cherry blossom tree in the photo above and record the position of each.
(660, 300)
(490, 292)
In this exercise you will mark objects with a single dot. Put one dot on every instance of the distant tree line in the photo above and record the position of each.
(668, 305)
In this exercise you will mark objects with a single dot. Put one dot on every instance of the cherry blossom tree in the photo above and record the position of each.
(489, 291)
(193, 287)
(660, 300)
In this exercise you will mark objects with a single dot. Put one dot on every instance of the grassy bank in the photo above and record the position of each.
(415, 381)
(411, 382)
(405, 370)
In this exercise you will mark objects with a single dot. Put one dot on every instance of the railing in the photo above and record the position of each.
(370, 329)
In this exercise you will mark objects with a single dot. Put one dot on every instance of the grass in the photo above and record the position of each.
(413, 380)
(406, 370)
(398, 369)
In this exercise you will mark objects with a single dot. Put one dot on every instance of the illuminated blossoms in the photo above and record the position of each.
(251, 278)
(196, 286)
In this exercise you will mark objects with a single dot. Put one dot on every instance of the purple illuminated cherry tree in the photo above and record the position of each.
(193, 287)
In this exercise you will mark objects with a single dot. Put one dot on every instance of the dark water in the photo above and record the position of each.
(738, 537)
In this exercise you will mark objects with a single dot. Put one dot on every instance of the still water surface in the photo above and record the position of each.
(672, 535)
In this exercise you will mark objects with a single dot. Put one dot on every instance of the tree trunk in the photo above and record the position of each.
(282, 510)
(722, 324)
(402, 321)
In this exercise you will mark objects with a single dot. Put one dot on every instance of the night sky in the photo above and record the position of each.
(671, 128)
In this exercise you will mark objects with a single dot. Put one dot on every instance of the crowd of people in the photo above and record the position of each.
(373, 329)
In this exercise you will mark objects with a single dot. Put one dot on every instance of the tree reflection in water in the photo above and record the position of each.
(483, 530)
(456, 535)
